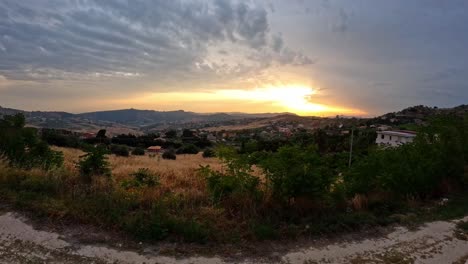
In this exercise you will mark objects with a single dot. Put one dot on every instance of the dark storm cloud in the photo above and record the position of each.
(46, 40)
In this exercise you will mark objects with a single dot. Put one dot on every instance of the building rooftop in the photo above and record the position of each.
(154, 148)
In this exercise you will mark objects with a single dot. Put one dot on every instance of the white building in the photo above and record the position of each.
(394, 138)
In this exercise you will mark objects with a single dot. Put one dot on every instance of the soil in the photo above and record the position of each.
(24, 239)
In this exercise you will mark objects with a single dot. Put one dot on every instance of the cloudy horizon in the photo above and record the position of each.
(322, 57)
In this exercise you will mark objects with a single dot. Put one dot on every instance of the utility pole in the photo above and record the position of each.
(351, 147)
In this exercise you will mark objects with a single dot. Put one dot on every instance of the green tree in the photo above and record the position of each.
(23, 148)
(294, 172)
(93, 163)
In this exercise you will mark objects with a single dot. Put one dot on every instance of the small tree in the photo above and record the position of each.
(119, 150)
(188, 149)
(22, 147)
(171, 134)
(295, 172)
(169, 154)
(93, 163)
(209, 153)
(143, 177)
(138, 152)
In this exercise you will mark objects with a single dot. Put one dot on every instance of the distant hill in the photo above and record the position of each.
(139, 121)
(125, 119)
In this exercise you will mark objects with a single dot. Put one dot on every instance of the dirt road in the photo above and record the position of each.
(434, 242)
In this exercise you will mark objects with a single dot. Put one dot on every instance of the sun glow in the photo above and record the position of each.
(291, 98)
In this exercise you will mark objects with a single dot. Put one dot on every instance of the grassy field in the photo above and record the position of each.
(176, 176)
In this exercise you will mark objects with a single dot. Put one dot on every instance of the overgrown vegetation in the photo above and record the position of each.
(22, 147)
(138, 152)
(294, 190)
(94, 163)
(169, 154)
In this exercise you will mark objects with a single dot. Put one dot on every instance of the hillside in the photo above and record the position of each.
(126, 120)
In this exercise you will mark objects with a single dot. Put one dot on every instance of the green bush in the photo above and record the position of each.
(236, 180)
(138, 152)
(169, 154)
(188, 149)
(141, 178)
(22, 147)
(146, 225)
(119, 150)
(296, 172)
(93, 163)
(418, 169)
(209, 153)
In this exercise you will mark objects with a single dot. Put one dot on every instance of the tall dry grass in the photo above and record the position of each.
(177, 177)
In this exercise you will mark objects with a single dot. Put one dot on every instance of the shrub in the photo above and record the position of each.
(236, 180)
(146, 225)
(119, 150)
(294, 172)
(418, 169)
(138, 152)
(93, 163)
(22, 147)
(188, 149)
(169, 154)
(209, 153)
(141, 178)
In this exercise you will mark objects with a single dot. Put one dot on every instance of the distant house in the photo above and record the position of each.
(87, 135)
(154, 149)
(394, 138)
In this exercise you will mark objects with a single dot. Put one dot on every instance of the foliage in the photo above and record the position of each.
(171, 134)
(236, 180)
(294, 172)
(119, 150)
(61, 138)
(188, 149)
(143, 177)
(169, 154)
(209, 153)
(22, 147)
(138, 152)
(94, 163)
(101, 133)
(417, 169)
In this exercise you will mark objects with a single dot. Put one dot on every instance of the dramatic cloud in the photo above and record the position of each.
(54, 51)
(86, 40)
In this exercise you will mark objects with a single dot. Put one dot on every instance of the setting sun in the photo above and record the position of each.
(292, 98)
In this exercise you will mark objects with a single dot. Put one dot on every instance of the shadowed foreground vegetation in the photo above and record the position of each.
(293, 192)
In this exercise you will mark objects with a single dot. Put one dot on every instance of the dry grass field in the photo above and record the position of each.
(178, 177)
(122, 166)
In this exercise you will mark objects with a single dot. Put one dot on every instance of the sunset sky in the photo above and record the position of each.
(315, 57)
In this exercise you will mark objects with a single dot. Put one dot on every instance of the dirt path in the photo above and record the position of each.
(433, 243)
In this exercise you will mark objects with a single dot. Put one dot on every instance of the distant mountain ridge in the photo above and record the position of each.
(127, 117)
(139, 121)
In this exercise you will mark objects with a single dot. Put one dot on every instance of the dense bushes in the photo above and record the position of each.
(236, 181)
(22, 147)
(427, 167)
(141, 178)
(138, 152)
(93, 163)
(119, 150)
(188, 149)
(61, 138)
(294, 172)
(169, 154)
(209, 153)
